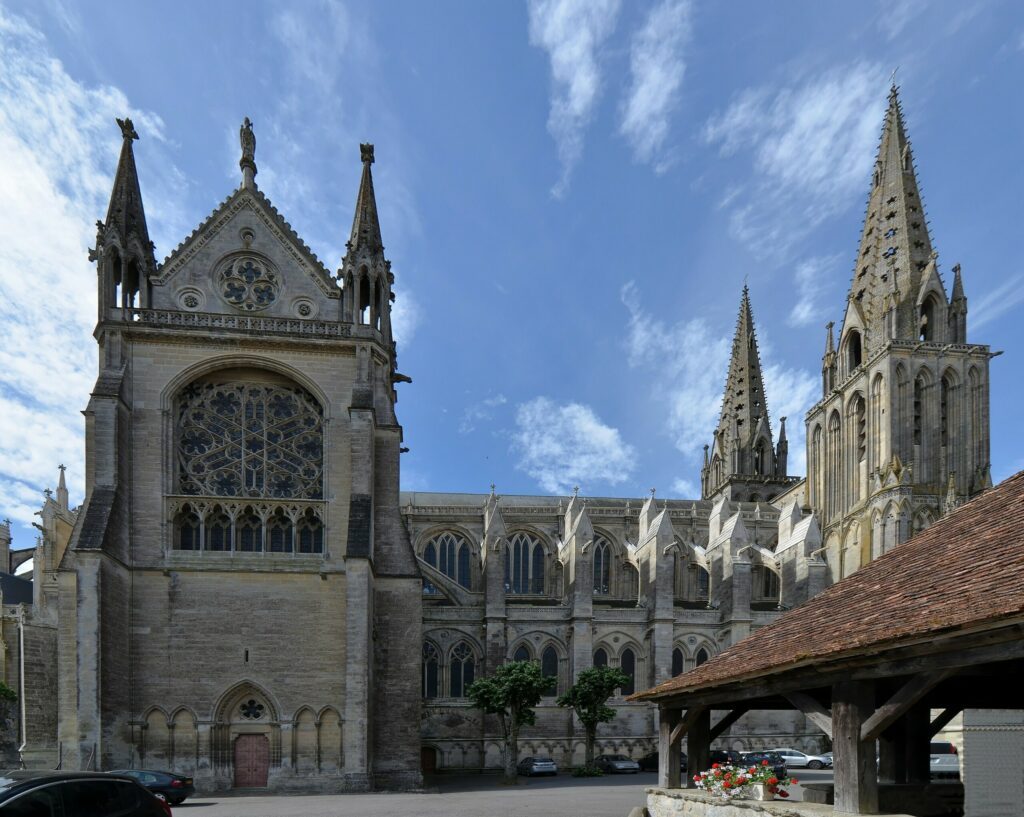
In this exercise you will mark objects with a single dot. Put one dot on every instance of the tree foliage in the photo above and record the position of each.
(588, 698)
(511, 693)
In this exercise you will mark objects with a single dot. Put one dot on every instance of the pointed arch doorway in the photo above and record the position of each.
(252, 761)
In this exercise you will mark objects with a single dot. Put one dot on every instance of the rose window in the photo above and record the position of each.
(250, 440)
(248, 283)
(251, 710)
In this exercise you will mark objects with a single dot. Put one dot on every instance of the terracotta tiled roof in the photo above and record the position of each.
(967, 570)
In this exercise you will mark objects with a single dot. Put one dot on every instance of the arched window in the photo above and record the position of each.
(188, 528)
(249, 533)
(522, 653)
(702, 656)
(549, 667)
(818, 466)
(627, 663)
(431, 664)
(760, 459)
(600, 657)
(877, 413)
(677, 661)
(919, 387)
(944, 389)
(833, 479)
(279, 533)
(249, 439)
(630, 581)
(861, 428)
(524, 565)
(928, 326)
(602, 567)
(218, 530)
(462, 669)
(764, 584)
(449, 553)
(700, 583)
(311, 533)
(854, 350)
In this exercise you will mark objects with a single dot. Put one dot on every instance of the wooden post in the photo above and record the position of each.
(917, 751)
(855, 770)
(668, 749)
(698, 746)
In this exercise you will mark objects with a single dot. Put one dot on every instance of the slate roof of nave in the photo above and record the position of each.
(279, 220)
(964, 573)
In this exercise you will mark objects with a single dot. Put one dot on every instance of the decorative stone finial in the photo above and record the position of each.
(48, 493)
(127, 129)
(248, 161)
(653, 492)
(575, 490)
(366, 152)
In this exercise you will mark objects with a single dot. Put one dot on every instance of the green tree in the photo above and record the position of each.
(511, 693)
(588, 699)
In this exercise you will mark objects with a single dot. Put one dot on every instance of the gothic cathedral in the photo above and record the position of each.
(245, 595)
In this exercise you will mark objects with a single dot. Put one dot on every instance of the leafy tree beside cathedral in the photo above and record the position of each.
(588, 698)
(511, 694)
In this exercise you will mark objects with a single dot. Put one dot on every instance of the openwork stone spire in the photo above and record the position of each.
(743, 440)
(895, 247)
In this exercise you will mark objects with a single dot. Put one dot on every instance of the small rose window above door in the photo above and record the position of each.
(251, 710)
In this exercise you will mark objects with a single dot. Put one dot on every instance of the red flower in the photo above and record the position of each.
(764, 762)
(752, 770)
(783, 793)
(714, 765)
(793, 780)
(773, 780)
(727, 785)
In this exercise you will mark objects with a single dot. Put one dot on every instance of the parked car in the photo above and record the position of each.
(725, 756)
(617, 764)
(25, 793)
(649, 762)
(944, 760)
(774, 760)
(174, 788)
(800, 760)
(537, 765)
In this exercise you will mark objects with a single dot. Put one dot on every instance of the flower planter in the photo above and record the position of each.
(759, 791)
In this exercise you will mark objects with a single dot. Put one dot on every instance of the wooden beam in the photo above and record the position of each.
(728, 721)
(904, 698)
(944, 718)
(686, 723)
(813, 711)
(698, 745)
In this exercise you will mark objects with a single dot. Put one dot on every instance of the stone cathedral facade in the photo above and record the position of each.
(246, 596)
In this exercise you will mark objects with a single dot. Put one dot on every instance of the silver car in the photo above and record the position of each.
(617, 764)
(800, 760)
(537, 765)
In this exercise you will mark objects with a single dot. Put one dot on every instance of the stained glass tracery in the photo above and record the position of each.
(251, 440)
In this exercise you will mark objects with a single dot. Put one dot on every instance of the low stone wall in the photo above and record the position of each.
(693, 803)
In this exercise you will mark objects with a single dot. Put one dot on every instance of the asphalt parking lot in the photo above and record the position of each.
(461, 796)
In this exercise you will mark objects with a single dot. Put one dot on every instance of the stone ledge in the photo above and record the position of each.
(693, 803)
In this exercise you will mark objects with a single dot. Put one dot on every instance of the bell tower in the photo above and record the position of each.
(901, 433)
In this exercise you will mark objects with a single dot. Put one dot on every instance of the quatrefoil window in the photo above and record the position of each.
(248, 283)
(251, 710)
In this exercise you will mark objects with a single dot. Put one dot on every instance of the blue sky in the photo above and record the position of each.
(572, 193)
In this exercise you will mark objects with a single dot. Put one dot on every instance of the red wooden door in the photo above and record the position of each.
(252, 761)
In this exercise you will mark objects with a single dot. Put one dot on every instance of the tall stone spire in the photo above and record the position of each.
(123, 249)
(895, 247)
(125, 214)
(743, 440)
(958, 309)
(62, 489)
(365, 223)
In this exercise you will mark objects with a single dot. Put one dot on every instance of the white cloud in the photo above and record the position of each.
(996, 302)
(656, 68)
(895, 15)
(572, 32)
(60, 146)
(685, 488)
(565, 445)
(405, 318)
(480, 412)
(809, 279)
(689, 364)
(809, 148)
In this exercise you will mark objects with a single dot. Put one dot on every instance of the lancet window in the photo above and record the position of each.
(450, 553)
(602, 567)
(524, 565)
(462, 669)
